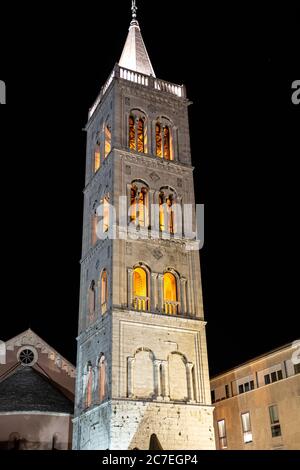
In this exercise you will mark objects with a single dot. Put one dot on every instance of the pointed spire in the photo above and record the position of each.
(135, 56)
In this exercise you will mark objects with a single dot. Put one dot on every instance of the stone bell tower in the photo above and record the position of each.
(142, 370)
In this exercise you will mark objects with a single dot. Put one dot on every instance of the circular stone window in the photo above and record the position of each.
(28, 356)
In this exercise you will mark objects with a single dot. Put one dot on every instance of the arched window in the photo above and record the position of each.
(137, 132)
(104, 292)
(141, 135)
(132, 145)
(167, 143)
(92, 298)
(166, 212)
(89, 386)
(158, 140)
(140, 289)
(170, 294)
(97, 159)
(163, 136)
(139, 204)
(102, 378)
(107, 140)
(94, 228)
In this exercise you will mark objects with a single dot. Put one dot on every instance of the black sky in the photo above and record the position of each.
(238, 66)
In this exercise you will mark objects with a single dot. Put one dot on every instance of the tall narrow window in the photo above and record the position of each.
(158, 140)
(94, 229)
(171, 215)
(161, 213)
(97, 160)
(133, 196)
(167, 213)
(246, 424)
(139, 205)
(140, 289)
(92, 298)
(170, 294)
(107, 140)
(274, 419)
(167, 143)
(102, 378)
(132, 144)
(104, 292)
(89, 386)
(105, 214)
(222, 434)
(141, 135)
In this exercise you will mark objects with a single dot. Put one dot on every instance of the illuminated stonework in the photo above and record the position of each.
(142, 367)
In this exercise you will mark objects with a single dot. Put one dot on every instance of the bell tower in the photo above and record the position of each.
(142, 369)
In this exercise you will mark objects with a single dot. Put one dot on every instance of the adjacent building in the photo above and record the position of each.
(36, 395)
(257, 404)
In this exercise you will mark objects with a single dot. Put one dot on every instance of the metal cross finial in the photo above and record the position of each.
(133, 8)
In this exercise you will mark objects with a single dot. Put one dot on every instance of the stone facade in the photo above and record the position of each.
(154, 372)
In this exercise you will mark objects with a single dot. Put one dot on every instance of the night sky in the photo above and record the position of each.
(238, 67)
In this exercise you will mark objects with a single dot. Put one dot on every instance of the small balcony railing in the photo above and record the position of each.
(171, 308)
(141, 303)
(140, 79)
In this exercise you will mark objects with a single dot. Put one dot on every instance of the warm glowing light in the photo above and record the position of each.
(170, 287)
(107, 140)
(141, 133)
(131, 133)
(158, 140)
(140, 289)
(167, 149)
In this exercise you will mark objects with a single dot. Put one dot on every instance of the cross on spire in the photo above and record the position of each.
(133, 9)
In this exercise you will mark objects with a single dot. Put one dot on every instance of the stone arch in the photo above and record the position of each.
(141, 300)
(177, 366)
(143, 373)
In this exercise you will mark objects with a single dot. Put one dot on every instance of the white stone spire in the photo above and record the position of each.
(135, 56)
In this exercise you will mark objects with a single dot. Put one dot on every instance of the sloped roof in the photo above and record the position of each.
(28, 390)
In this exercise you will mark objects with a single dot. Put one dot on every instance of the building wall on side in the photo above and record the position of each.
(285, 394)
(36, 431)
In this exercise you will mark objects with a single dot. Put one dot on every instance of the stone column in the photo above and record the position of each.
(165, 376)
(183, 300)
(130, 288)
(157, 372)
(130, 372)
(153, 300)
(161, 292)
(189, 373)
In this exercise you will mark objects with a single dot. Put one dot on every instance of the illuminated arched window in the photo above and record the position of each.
(92, 298)
(170, 294)
(139, 204)
(167, 143)
(141, 135)
(163, 137)
(107, 140)
(158, 140)
(89, 386)
(132, 143)
(104, 292)
(137, 132)
(140, 289)
(97, 158)
(166, 213)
